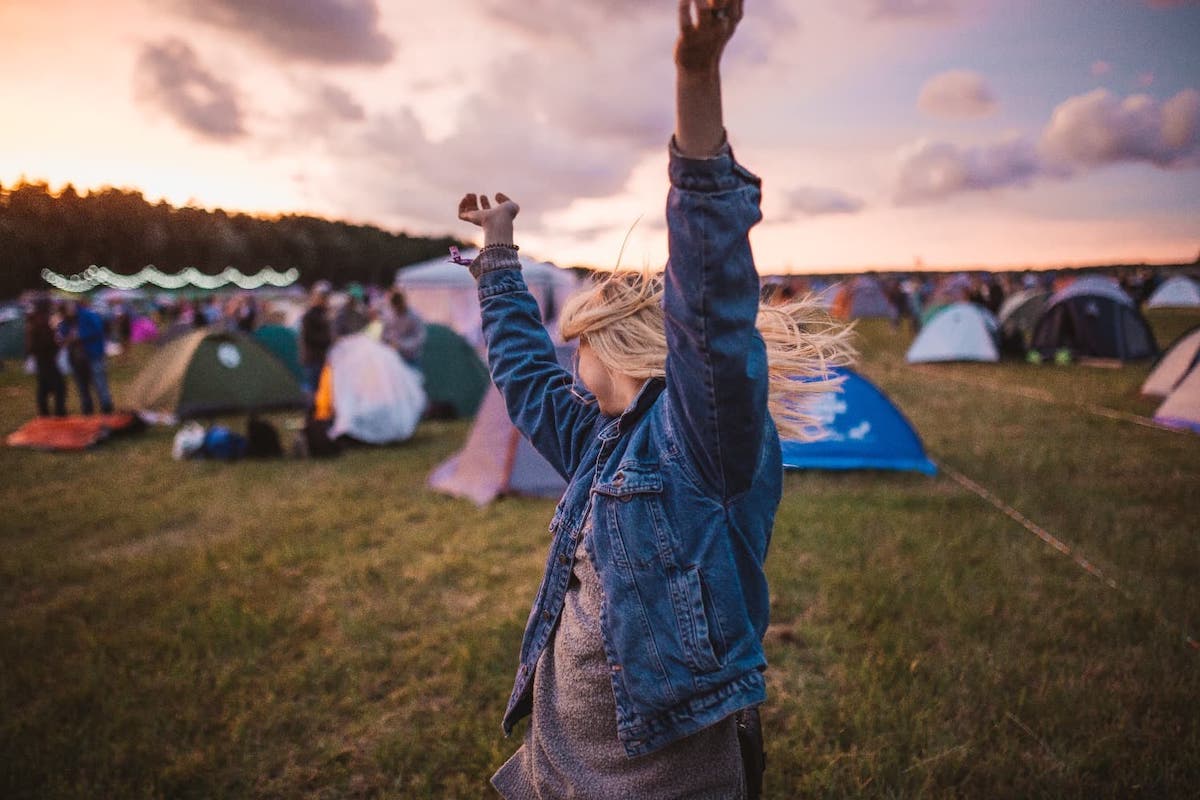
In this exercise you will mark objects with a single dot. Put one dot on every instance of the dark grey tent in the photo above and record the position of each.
(1018, 316)
(1093, 319)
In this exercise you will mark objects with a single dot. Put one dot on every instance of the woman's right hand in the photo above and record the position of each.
(496, 221)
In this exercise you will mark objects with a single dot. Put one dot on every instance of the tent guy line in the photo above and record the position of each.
(1046, 397)
(1060, 546)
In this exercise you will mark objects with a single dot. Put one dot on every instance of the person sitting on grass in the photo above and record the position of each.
(642, 662)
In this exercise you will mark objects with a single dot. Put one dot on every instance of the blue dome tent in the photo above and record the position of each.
(866, 432)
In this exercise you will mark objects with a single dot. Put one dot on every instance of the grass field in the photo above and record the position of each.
(332, 629)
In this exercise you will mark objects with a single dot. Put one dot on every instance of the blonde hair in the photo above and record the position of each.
(621, 318)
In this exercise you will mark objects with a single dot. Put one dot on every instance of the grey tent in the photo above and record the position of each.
(496, 459)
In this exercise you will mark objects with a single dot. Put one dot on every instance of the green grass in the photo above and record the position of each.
(333, 629)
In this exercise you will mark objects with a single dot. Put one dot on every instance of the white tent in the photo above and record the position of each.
(377, 398)
(1177, 292)
(1181, 409)
(959, 332)
(444, 292)
(1174, 365)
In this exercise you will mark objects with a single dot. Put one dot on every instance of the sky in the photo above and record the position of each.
(888, 133)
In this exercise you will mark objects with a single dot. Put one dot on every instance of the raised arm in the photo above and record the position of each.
(716, 362)
(537, 391)
(705, 27)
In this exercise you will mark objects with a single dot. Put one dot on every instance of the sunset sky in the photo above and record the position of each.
(888, 132)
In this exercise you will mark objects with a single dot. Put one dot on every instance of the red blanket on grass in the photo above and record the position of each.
(71, 433)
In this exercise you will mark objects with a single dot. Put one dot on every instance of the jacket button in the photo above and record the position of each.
(546, 615)
(562, 559)
(618, 479)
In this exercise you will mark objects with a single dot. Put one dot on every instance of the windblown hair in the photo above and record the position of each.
(621, 318)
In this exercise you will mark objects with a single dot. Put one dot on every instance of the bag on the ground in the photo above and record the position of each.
(222, 443)
(189, 441)
(316, 437)
(262, 440)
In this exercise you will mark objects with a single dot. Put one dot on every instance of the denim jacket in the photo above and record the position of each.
(682, 487)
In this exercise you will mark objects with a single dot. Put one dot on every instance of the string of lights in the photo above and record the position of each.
(95, 276)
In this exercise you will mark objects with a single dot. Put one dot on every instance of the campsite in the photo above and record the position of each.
(316, 628)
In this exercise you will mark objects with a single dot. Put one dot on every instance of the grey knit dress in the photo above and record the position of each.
(571, 748)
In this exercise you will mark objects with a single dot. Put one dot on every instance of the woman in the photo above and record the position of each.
(645, 641)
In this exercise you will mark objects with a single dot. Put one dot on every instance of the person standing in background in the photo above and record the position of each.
(84, 335)
(403, 329)
(316, 335)
(41, 345)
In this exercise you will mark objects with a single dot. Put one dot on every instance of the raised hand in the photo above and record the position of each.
(705, 27)
(496, 221)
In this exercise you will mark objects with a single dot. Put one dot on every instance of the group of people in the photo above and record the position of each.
(389, 319)
(68, 339)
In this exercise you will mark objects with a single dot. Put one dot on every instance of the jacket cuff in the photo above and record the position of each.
(492, 260)
(717, 173)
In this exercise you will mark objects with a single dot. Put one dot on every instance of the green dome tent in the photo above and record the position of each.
(284, 344)
(455, 376)
(214, 372)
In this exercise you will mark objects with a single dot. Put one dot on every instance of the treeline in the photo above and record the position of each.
(119, 229)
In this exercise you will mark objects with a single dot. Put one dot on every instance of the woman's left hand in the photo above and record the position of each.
(496, 221)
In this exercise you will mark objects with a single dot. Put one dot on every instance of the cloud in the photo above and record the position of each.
(553, 17)
(339, 103)
(327, 106)
(1099, 128)
(1084, 133)
(1101, 68)
(957, 93)
(325, 31)
(576, 127)
(911, 9)
(170, 78)
(931, 171)
(812, 201)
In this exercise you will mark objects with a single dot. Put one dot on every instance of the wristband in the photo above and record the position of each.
(498, 246)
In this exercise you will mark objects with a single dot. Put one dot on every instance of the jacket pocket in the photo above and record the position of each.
(700, 633)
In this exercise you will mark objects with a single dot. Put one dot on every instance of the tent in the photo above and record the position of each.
(1093, 317)
(1174, 365)
(444, 292)
(1181, 409)
(12, 336)
(961, 332)
(205, 373)
(1177, 292)
(455, 377)
(284, 344)
(862, 297)
(377, 398)
(866, 432)
(1018, 315)
(496, 459)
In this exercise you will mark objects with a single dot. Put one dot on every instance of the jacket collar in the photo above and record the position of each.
(646, 397)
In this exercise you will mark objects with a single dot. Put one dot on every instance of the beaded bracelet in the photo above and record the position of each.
(498, 246)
